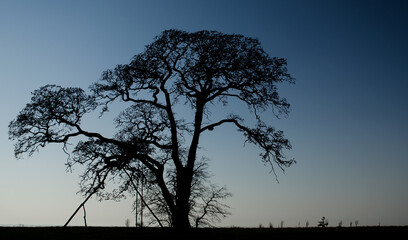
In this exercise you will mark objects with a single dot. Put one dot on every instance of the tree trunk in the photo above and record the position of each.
(185, 175)
(181, 214)
(180, 220)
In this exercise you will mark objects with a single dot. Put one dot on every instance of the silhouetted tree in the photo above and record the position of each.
(210, 208)
(206, 198)
(206, 201)
(323, 222)
(201, 70)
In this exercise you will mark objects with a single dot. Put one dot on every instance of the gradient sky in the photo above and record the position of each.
(348, 123)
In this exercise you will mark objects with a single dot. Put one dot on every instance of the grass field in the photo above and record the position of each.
(100, 233)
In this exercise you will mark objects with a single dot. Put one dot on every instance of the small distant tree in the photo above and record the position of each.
(323, 222)
(281, 224)
(127, 223)
(196, 72)
(307, 223)
(356, 223)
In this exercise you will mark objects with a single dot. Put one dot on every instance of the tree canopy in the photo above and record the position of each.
(200, 70)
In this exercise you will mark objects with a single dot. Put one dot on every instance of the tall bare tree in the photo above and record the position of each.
(202, 70)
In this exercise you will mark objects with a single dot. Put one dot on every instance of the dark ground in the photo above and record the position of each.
(101, 233)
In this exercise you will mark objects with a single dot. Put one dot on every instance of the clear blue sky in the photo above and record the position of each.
(348, 124)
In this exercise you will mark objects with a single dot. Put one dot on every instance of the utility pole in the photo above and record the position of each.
(137, 185)
(141, 204)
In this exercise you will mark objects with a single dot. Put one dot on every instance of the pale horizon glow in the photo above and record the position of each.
(348, 120)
